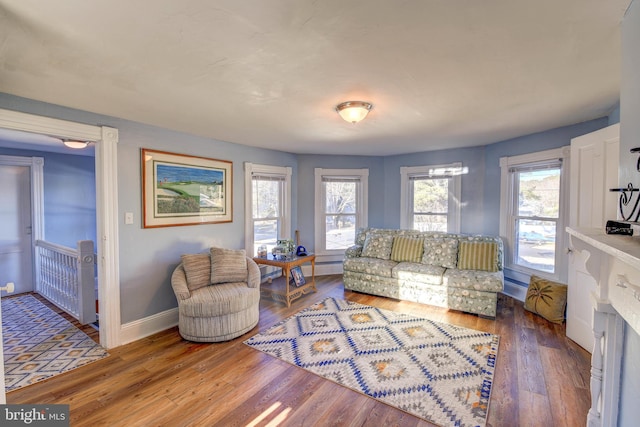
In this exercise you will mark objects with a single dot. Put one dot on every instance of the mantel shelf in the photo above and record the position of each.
(625, 248)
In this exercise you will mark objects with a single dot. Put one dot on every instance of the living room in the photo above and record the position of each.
(146, 257)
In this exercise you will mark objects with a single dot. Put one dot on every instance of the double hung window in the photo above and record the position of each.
(341, 208)
(429, 198)
(268, 205)
(532, 218)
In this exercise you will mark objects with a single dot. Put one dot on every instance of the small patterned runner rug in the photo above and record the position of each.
(39, 343)
(435, 371)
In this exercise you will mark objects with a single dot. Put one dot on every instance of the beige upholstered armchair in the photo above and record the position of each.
(218, 295)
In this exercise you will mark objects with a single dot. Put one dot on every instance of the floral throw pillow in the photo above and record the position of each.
(547, 299)
(377, 246)
(441, 252)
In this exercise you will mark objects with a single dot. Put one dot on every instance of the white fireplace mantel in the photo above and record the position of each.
(614, 263)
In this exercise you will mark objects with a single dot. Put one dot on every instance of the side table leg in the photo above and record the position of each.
(286, 272)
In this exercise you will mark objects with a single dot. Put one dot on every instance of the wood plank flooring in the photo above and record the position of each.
(542, 377)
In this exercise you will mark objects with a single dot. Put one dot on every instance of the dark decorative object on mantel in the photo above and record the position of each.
(626, 197)
(616, 227)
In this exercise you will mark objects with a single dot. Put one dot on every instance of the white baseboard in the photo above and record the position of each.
(515, 291)
(142, 328)
(323, 269)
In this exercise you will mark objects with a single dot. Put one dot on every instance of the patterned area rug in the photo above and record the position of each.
(39, 343)
(438, 372)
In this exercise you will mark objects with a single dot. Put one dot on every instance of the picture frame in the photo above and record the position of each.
(179, 189)
(297, 276)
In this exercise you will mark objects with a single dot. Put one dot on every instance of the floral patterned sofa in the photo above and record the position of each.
(457, 271)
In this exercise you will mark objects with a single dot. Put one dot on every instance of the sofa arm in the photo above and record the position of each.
(179, 283)
(353, 251)
(253, 279)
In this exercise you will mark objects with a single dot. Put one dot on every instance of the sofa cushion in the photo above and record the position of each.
(378, 246)
(441, 251)
(197, 268)
(416, 272)
(228, 265)
(373, 266)
(406, 249)
(219, 300)
(474, 279)
(478, 256)
(547, 299)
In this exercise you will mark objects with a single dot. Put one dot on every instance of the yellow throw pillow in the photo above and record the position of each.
(547, 299)
(407, 249)
(478, 256)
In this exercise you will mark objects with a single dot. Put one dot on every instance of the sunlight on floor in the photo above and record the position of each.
(275, 421)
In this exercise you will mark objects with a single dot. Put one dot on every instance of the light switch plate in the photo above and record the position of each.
(128, 218)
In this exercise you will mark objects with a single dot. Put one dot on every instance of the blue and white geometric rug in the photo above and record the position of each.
(435, 371)
(39, 343)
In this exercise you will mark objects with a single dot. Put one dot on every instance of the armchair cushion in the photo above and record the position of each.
(228, 265)
(197, 268)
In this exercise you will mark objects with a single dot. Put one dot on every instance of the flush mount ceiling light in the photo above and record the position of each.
(78, 145)
(353, 111)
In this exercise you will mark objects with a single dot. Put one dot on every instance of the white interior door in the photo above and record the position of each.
(594, 170)
(15, 227)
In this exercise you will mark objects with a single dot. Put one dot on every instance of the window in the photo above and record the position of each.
(268, 218)
(341, 208)
(532, 219)
(429, 197)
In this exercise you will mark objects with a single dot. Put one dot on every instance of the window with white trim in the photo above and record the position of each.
(430, 197)
(268, 206)
(341, 208)
(532, 212)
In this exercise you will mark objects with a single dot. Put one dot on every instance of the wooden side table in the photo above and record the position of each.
(280, 289)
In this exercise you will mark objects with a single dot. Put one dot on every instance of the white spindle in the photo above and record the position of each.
(66, 278)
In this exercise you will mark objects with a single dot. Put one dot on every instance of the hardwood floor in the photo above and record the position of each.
(542, 377)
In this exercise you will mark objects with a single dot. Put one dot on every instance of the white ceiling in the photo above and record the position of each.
(268, 73)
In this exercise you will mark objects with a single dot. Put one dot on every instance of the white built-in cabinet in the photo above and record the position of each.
(593, 172)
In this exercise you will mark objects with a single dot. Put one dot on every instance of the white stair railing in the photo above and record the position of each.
(65, 276)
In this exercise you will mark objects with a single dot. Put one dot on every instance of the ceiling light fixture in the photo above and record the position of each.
(77, 145)
(353, 111)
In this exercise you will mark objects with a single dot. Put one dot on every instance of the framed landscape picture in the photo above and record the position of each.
(178, 189)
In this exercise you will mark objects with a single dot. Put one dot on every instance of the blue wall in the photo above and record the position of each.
(69, 196)
(306, 189)
(471, 210)
(147, 256)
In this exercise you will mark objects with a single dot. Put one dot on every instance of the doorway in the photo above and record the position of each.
(16, 256)
(105, 139)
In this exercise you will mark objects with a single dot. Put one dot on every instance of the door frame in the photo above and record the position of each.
(106, 161)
